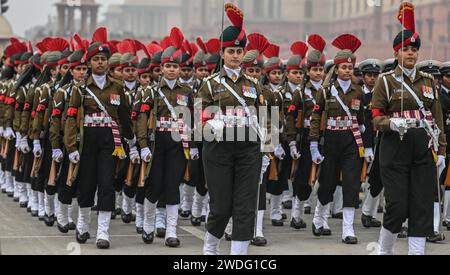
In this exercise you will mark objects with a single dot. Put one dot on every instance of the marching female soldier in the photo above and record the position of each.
(406, 108)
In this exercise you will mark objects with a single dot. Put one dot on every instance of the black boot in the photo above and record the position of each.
(49, 220)
(350, 240)
(102, 244)
(317, 231)
(126, 218)
(277, 222)
(23, 204)
(307, 210)
(436, 237)
(185, 214)
(366, 221)
(203, 218)
(139, 230)
(148, 238)
(72, 226)
(160, 232)
(29, 209)
(63, 229)
(172, 242)
(337, 216)
(326, 232)
(283, 216)
(259, 241)
(34, 213)
(82, 239)
(403, 233)
(228, 237)
(196, 221)
(298, 224)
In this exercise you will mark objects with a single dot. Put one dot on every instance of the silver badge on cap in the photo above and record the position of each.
(413, 40)
(237, 42)
(100, 48)
(349, 59)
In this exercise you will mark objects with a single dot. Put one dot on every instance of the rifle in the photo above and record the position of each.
(151, 127)
(70, 174)
(53, 174)
(129, 178)
(364, 171)
(36, 167)
(17, 162)
(6, 149)
(299, 126)
(273, 171)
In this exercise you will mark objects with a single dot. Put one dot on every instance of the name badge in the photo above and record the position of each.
(182, 100)
(288, 96)
(427, 92)
(356, 104)
(114, 99)
(249, 92)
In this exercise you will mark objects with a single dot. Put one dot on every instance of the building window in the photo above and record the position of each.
(342, 8)
(308, 8)
(257, 8)
(334, 9)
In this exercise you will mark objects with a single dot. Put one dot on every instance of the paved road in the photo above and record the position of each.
(22, 234)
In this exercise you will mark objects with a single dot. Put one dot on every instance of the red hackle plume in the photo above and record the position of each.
(257, 42)
(317, 42)
(347, 42)
(100, 35)
(272, 51)
(406, 16)
(299, 48)
(213, 46)
(177, 37)
(235, 15)
(57, 44)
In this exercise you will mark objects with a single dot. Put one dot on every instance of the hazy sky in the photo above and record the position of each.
(24, 14)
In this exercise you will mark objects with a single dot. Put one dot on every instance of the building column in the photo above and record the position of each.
(84, 21)
(94, 17)
(61, 19)
(71, 20)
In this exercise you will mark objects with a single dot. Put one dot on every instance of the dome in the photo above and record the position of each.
(5, 28)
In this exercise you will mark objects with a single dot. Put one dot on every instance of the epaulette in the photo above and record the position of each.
(252, 79)
(211, 77)
(426, 75)
(386, 73)
(184, 85)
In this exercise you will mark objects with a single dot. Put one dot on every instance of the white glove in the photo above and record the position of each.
(279, 152)
(18, 139)
(368, 155)
(265, 164)
(24, 147)
(194, 153)
(294, 152)
(74, 157)
(57, 155)
(440, 164)
(1, 131)
(37, 149)
(146, 154)
(134, 155)
(317, 158)
(394, 125)
(131, 142)
(362, 129)
(9, 134)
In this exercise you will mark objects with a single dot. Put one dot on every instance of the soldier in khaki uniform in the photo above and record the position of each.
(340, 106)
(406, 108)
(26, 144)
(168, 156)
(105, 118)
(232, 155)
(42, 148)
(115, 68)
(252, 66)
(298, 123)
(75, 78)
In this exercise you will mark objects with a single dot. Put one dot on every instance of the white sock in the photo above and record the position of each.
(104, 219)
(386, 242)
(149, 216)
(188, 197)
(259, 224)
(34, 201)
(139, 215)
(16, 189)
(319, 215)
(9, 183)
(416, 246)
(172, 220)
(447, 205)
(297, 209)
(338, 200)
(41, 204)
(49, 201)
(210, 244)
(118, 200)
(347, 222)
(275, 207)
(436, 216)
(84, 220)
(370, 203)
(239, 248)
(161, 216)
(197, 205)
(286, 196)
(62, 214)
(70, 209)
(229, 228)
(127, 204)
(23, 192)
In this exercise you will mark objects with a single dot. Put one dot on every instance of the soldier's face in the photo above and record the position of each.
(344, 71)
(144, 79)
(446, 81)
(232, 57)
(370, 79)
(129, 74)
(171, 71)
(187, 73)
(54, 72)
(253, 72)
(202, 72)
(99, 64)
(156, 73)
(64, 69)
(407, 56)
(275, 76)
(79, 72)
(295, 76)
(316, 73)
(117, 73)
